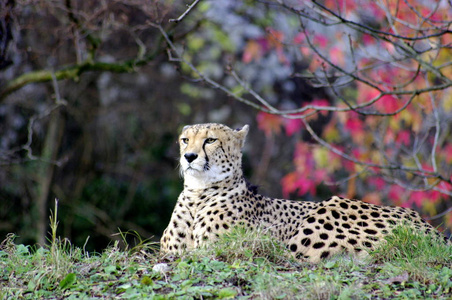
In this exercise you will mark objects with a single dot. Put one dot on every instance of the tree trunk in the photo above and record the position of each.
(45, 175)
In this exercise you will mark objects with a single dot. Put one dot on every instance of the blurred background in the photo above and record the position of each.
(108, 150)
(91, 106)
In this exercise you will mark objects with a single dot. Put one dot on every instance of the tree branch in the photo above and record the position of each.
(186, 12)
(72, 72)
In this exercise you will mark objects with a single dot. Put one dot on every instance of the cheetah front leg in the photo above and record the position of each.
(178, 235)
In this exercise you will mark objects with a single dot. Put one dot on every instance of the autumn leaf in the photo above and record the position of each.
(296, 182)
(288, 184)
(434, 196)
(252, 52)
(292, 126)
(368, 40)
(446, 187)
(331, 132)
(416, 198)
(275, 38)
(356, 128)
(269, 123)
(388, 104)
(404, 137)
(321, 40)
(340, 5)
(321, 103)
(320, 156)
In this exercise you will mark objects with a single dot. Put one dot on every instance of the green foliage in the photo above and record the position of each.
(243, 264)
(405, 245)
(139, 244)
(68, 281)
(242, 243)
(27, 273)
(425, 258)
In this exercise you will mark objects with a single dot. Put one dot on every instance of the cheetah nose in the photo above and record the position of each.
(190, 156)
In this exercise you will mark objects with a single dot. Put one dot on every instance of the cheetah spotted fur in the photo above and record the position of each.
(216, 196)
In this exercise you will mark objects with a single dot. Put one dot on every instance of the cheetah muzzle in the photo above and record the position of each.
(216, 197)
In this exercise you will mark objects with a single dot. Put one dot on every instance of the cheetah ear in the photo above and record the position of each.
(241, 133)
(186, 127)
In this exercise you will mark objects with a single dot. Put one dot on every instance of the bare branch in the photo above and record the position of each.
(186, 12)
(253, 92)
(348, 178)
(442, 214)
(366, 29)
(58, 103)
(437, 132)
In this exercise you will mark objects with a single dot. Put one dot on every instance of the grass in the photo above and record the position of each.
(242, 265)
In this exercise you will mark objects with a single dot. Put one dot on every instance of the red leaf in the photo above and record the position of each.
(299, 38)
(404, 137)
(253, 51)
(292, 126)
(288, 184)
(388, 104)
(306, 51)
(322, 103)
(434, 196)
(269, 123)
(395, 195)
(368, 39)
(427, 167)
(417, 198)
(355, 126)
(320, 176)
(446, 186)
(378, 183)
(296, 182)
(305, 185)
(275, 38)
(321, 40)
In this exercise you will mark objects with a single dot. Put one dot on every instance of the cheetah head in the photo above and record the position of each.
(210, 153)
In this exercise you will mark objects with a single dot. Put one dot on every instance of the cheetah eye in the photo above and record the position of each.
(210, 140)
(184, 140)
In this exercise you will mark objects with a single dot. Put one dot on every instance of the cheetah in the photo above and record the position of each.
(216, 197)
